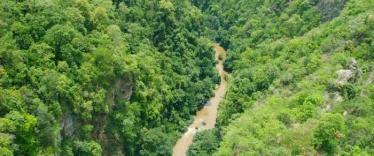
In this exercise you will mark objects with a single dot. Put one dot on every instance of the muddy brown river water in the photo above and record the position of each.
(206, 117)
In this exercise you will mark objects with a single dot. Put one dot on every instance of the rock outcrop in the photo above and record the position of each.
(69, 124)
(350, 74)
(329, 9)
(344, 77)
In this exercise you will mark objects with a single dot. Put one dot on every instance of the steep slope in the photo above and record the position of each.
(100, 77)
(301, 81)
(124, 77)
(205, 118)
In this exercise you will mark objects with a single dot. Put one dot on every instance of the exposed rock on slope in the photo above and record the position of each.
(346, 75)
(329, 8)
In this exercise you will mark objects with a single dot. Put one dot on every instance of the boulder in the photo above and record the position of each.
(344, 75)
(349, 74)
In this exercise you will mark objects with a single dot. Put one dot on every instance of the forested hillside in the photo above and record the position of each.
(96, 77)
(302, 78)
(125, 77)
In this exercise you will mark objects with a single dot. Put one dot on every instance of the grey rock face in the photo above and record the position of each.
(344, 75)
(69, 124)
(352, 64)
(123, 89)
(349, 74)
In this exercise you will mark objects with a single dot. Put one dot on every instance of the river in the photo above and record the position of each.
(206, 117)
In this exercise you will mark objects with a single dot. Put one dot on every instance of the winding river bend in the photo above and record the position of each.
(206, 117)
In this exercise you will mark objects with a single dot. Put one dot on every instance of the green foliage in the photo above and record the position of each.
(349, 91)
(156, 142)
(306, 105)
(48, 132)
(5, 144)
(205, 143)
(24, 131)
(330, 130)
(87, 148)
(101, 77)
(93, 77)
(283, 56)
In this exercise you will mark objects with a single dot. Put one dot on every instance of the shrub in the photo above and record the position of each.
(329, 132)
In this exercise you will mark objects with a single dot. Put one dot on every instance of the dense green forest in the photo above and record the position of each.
(302, 78)
(125, 77)
(93, 77)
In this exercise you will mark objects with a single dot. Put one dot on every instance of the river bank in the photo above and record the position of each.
(206, 117)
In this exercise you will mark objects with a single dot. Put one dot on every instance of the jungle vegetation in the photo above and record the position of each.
(125, 77)
(93, 77)
(302, 78)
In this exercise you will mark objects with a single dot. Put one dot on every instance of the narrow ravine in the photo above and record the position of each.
(206, 117)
